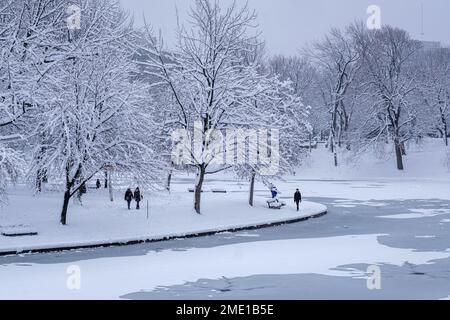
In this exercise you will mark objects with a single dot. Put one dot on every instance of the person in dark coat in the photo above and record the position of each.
(98, 184)
(129, 197)
(137, 197)
(298, 199)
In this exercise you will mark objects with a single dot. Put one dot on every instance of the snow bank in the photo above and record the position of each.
(100, 222)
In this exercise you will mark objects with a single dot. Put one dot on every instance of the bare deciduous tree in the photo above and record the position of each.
(435, 89)
(338, 62)
(213, 77)
(388, 60)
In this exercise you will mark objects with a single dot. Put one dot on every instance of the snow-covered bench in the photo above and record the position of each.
(275, 204)
(218, 191)
(18, 231)
(192, 190)
(53, 187)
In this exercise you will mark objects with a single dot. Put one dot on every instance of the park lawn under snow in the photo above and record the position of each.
(100, 221)
(426, 175)
(427, 161)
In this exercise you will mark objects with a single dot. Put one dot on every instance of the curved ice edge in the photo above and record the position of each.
(321, 211)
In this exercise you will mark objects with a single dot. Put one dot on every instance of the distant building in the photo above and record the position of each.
(430, 45)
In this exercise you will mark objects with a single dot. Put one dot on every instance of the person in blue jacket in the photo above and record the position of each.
(274, 191)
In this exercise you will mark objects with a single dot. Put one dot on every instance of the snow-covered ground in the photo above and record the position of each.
(100, 221)
(427, 161)
(426, 175)
(325, 258)
(399, 223)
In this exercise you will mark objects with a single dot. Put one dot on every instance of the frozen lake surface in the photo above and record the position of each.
(324, 258)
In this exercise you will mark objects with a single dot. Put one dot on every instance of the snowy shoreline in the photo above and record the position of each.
(135, 241)
(97, 226)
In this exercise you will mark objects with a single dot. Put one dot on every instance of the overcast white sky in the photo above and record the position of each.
(287, 25)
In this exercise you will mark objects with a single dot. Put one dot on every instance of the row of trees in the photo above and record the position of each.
(69, 105)
(369, 88)
(75, 102)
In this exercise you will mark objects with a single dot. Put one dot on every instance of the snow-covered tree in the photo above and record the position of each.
(301, 72)
(10, 163)
(338, 61)
(214, 86)
(388, 61)
(26, 27)
(95, 116)
(282, 120)
(435, 90)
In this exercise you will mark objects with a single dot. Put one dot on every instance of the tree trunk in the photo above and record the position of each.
(41, 178)
(198, 189)
(445, 133)
(339, 137)
(252, 190)
(335, 155)
(399, 155)
(333, 149)
(169, 181)
(310, 143)
(110, 186)
(106, 179)
(403, 149)
(39, 182)
(444, 126)
(65, 207)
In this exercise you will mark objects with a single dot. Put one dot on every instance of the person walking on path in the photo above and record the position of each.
(137, 197)
(298, 199)
(129, 197)
(98, 184)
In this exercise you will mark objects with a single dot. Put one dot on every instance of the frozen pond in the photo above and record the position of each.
(325, 258)
(406, 281)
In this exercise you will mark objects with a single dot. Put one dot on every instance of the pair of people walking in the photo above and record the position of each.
(136, 196)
